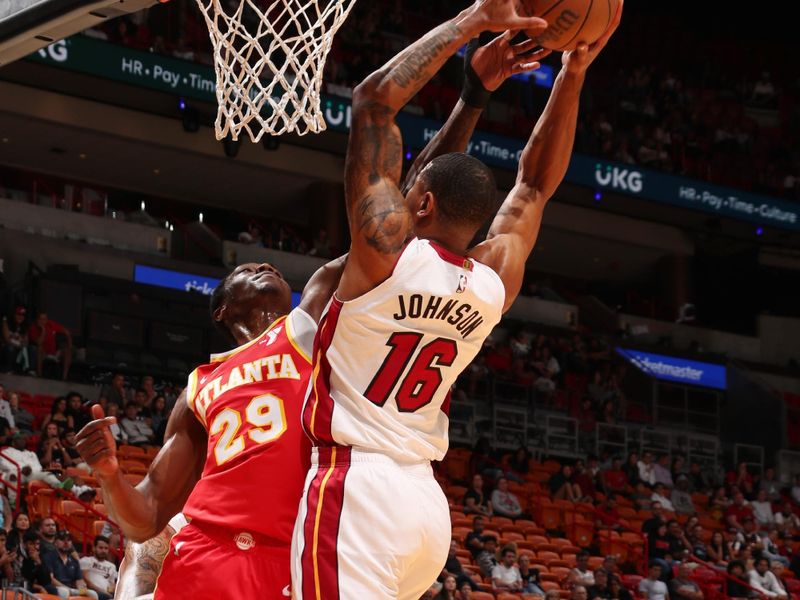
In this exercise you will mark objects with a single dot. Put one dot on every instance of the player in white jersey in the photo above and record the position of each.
(412, 309)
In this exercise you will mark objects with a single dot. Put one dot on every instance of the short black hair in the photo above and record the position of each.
(218, 297)
(101, 538)
(464, 188)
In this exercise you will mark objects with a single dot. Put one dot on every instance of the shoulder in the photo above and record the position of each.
(86, 562)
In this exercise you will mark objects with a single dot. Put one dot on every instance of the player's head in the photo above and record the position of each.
(247, 289)
(454, 192)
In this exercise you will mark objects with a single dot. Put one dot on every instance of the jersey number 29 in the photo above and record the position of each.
(421, 380)
(265, 419)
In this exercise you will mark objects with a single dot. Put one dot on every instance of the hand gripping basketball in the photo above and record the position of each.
(500, 15)
(96, 445)
(578, 60)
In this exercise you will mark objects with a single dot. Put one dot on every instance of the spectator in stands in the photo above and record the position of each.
(148, 384)
(607, 515)
(7, 558)
(35, 572)
(119, 434)
(786, 519)
(140, 398)
(506, 576)
(579, 593)
(47, 535)
(69, 446)
(587, 423)
(117, 393)
(762, 510)
(547, 369)
(53, 342)
(779, 570)
(100, 574)
(600, 588)
(719, 503)
(769, 483)
(158, 412)
(660, 496)
(581, 574)
(631, 468)
(741, 479)
(505, 503)
(137, 431)
(681, 498)
(658, 548)
(5, 410)
(15, 542)
(682, 587)
(647, 469)
(747, 540)
(770, 542)
(679, 545)
(796, 489)
(678, 468)
(28, 462)
(734, 588)
(453, 566)
(719, 552)
(697, 482)
(737, 512)
(617, 591)
(519, 464)
(448, 591)
(764, 580)
(657, 520)
(59, 416)
(322, 245)
(611, 564)
(698, 546)
(465, 591)
(584, 479)
(474, 540)
(487, 558)
(651, 587)
(51, 451)
(15, 353)
(661, 471)
(75, 410)
(66, 568)
(614, 480)
(531, 583)
(23, 420)
(562, 487)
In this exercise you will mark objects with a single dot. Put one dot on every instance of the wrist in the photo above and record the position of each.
(470, 22)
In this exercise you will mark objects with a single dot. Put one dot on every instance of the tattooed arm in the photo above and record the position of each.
(380, 221)
(542, 167)
(142, 564)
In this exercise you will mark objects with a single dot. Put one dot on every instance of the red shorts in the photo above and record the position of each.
(211, 563)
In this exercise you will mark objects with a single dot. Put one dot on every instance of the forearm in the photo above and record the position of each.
(134, 511)
(546, 157)
(452, 137)
(399, 80)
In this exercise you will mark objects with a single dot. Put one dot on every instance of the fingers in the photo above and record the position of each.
(539, 54)
(531, 25)
(525, 67)
(99, 425)
(612, 27)
(524, 46)
(97, 411)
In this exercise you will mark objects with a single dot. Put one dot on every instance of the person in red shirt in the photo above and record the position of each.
(614, 479)
(741, 479)
(44, 335)
(235, 456)
(737, 512)
(608, 515)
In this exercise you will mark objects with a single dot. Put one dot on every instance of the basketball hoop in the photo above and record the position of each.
(269, 56)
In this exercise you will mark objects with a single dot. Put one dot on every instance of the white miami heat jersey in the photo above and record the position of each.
(385, 361)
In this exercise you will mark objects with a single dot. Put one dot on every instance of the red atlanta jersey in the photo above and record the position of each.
(249, 400)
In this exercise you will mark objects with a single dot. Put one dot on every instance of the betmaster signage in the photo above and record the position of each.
(190, 80)
(679, 370)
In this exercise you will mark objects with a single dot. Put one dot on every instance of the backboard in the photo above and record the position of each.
(27, 25)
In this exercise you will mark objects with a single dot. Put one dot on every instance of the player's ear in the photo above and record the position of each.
(221, 312)
(425, 205)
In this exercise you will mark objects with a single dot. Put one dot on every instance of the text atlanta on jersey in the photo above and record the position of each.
(459, 314)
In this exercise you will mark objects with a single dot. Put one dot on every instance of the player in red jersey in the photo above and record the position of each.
(234, 457)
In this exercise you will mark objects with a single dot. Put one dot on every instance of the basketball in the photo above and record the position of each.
(571, 22)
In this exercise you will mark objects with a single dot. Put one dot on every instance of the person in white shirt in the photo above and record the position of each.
(99, 573)
(785, 518)
(119, 434)
(647, 470)
(764, 580)
(762, 509)
(505, 576)
(660, 496)
(5, 411)
(138, 432)
(29, 466)
(581, 574)
(504, 503)
(652, 588)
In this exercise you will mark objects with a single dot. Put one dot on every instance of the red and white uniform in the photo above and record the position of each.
(373, 522)
(242, 511)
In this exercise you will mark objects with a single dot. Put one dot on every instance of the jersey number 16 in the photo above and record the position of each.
(421, 380)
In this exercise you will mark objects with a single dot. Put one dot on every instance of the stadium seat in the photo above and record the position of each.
(631, 581)
(499, 522)
(538, 539)
(546, 555)
(511, 536)
(76, 472)
(507, 596)
(456, 514)
(460, 533)
(70, 506)
(479, 596)
(595, 562)
(549, 585)
(127, 450)
(462, 522)
(457, 491)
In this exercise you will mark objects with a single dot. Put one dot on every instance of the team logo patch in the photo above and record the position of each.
(462, 284)
(244, 541)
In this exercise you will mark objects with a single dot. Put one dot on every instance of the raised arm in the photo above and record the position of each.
(542, 167)
(143, 511)
(485, 69)
(380, 221)
(321, 286)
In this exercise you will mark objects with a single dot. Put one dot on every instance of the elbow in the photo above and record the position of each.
(370, 97)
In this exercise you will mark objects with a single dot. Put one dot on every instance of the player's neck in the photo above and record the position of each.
(249, 329)
(449, 239)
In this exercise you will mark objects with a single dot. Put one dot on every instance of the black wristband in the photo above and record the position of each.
(473, 93)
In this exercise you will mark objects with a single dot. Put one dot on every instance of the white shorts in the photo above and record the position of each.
(368, 528)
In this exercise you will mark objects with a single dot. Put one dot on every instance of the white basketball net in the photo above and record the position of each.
(269, 57)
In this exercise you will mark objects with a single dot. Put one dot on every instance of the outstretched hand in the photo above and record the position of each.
(96, 444)
(500, 59)
(500, 15)
(578, 60)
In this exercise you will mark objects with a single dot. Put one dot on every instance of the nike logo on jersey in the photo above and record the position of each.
(272, 335)
(286, 591)
(459, 314)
